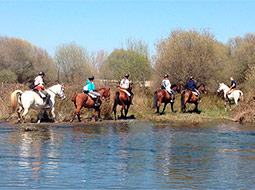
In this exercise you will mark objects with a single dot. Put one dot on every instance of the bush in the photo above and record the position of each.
(7, 75)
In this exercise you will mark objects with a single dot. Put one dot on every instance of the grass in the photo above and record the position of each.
(211, 107)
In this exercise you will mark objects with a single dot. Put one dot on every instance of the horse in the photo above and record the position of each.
(235, 96)
(188, 96)
(31, 99)
(121, 98)
(162, 96)
(81, 100)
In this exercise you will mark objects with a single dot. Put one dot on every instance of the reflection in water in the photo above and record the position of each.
(129, 155)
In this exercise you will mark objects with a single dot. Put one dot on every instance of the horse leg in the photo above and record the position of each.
(163, 109)
(121, 111)
(172, 106)
(229, 105)
(126, 111)
(114, 111)
(159, 104)
(77, 112)
(95, 114)
(196, 107)
(225, 105)
(41, 115)
(53, 113)
(24, 114)
(18, 112)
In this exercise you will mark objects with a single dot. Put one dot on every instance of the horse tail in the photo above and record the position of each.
(116, 100)
(241, 96)
(155, 103)
(15, 99)
(182, 99)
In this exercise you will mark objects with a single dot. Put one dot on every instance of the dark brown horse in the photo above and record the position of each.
(84, 100)
(187, 96)
(162, 96)
(121, 98)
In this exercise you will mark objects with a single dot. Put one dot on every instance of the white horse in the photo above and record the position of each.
(30, 99)
(234, 96)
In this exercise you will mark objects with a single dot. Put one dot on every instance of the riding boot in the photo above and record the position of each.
(131, 98)
(47, 101)
(97, 102)
(172, 98)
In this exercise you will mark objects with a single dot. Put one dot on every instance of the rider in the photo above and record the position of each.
(191, 85)
(166, 85)
(124, 85)
(89, 88)
(232, 86)
(39, 85)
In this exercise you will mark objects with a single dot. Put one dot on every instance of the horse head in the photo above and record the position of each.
(130, 86)
(105, 93)
(176, 88)
(201, 88)
(59, 90)
(222, 86)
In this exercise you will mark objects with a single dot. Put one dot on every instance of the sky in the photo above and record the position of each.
(106, 25)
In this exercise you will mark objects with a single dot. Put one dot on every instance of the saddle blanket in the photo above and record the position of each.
(92, 95)
(126, 92)
(195, 93)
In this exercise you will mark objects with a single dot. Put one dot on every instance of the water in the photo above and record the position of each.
(131, 155)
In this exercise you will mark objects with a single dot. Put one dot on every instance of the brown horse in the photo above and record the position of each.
(187, 96)
(84, 100)
(121, 98)
(162, 96)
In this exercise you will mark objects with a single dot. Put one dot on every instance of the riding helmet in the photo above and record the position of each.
(41, 73)
(91, 78)
(127, 75)
(166, 75)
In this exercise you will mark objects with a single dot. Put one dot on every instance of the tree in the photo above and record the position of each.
(73, 62)
(122, 61)
(23, 59)
(192, 53)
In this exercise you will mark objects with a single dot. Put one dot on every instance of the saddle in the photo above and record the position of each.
(195, 93)
(40, 94)
(124, 90)
(167, 92)
(92, 96)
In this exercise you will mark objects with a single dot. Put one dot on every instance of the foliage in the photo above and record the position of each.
(192, 53)
(122, 61)
(24, 59)
(7, 76)
(73, 63)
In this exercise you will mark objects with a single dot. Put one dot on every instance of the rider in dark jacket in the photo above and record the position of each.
(191, 85)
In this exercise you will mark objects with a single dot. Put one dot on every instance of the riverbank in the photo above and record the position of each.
(211, 107)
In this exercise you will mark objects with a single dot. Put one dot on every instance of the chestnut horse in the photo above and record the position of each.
(162, 96)
(84, 100)
(121, 98)
(187, 96)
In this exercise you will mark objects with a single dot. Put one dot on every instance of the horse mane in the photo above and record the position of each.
(173, 85)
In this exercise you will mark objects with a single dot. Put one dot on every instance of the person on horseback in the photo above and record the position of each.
(124, 85)
(232, 86)
(39, 86)
(166, 85)
(89, 88)
(192, 85)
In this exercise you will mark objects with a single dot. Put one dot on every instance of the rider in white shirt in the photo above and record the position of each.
(124, 85)
(39, 85)
(166, 85)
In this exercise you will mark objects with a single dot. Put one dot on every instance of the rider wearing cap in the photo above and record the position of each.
(166, 85)
(39, 85)
(89, 88)
(232, 86)
(124, 85)
(191, 85)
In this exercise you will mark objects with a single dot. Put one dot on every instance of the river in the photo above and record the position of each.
(128, 155)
